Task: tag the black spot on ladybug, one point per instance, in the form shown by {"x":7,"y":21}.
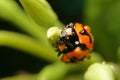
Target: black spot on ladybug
{"x":83,"y":47}
{"x":73,"y":60}
{"x":84,"y":32}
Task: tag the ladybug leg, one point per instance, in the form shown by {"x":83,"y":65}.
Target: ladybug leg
{"x":59,"y":53}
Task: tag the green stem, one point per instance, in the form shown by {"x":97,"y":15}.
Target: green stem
{"x":10,"y":11}
{"x":41,"y":12}
{"x":55,"y":71}
{"x":58,"y":71}
{"x":27,"y":44}
{"x":21,"y":77}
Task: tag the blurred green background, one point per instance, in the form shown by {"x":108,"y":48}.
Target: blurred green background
{"x":103,"y":16}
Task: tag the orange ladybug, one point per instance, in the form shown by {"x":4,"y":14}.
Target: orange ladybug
{"x":75,"y":43}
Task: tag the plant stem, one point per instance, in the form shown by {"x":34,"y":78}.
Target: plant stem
{"x":10,"y":11}
{"x":27,"y":44}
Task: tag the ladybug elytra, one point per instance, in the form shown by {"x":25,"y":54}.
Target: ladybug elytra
{"x":75,"y":43}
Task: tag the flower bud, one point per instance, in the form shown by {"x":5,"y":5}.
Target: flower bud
{"x":115,"y":69}
{"x":98,"y":71}
{"x":53,"y":35}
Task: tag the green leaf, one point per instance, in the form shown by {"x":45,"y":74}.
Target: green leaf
{"x":103,"y":17}
{"x":10,"y":11}
{"x":41,"y":12}
{"x":27,"y":44}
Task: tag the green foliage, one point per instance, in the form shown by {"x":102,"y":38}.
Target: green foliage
{"x":40,"y":11}
{"x":101,"y":15}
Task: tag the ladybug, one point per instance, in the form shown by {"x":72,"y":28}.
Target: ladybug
{"x":75,"y":43}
